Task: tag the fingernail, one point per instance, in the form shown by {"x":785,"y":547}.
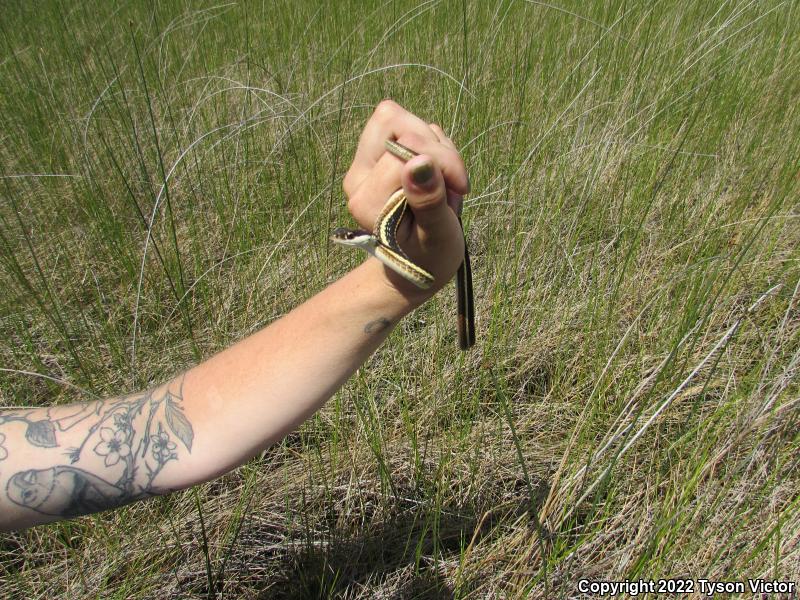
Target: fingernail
{"x":422,"y":174}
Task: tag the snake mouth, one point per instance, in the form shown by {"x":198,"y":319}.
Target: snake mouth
{"x":343,"y":234}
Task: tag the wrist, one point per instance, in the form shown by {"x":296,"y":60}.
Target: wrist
{"x":396,"y":295}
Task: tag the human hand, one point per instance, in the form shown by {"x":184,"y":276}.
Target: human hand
{"x":434,"y":183}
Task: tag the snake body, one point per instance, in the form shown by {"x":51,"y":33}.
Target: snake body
{"x":382,"y":244}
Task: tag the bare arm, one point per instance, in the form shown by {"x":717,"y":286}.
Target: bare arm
{"x":72,"y":460}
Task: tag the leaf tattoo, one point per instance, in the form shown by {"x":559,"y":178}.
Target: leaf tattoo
{"x":178,"y":423}
{"x":41,"y":433}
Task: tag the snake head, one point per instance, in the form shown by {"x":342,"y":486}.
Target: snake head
{"x":353,"y":237}
{"x":343,"y":233}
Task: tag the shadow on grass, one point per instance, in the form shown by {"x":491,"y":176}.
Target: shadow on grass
{"x":396,"y":557}
{"x":402,"y":557}
{"x":402,"y":546}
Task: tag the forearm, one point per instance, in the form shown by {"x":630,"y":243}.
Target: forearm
{"x":72,"y":460}
{"x":254,"y":393}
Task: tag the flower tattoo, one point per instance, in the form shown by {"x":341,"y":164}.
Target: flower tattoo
{"x":113,"y":446}
{"x":162,"y":447}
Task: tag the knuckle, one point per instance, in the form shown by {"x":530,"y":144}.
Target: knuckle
{"x":386,"y":109}
{"x":347,"y":183}
{"x":354,"y":208}
{"x":431,"y":196}
{"x":456,"y":161}
{"x":431,"y":199}
{"x":357,"y":201}
{"x":428,"y":201}
{"x":352,"y":203}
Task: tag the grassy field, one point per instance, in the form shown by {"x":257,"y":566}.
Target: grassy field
{"x":170,"y":173}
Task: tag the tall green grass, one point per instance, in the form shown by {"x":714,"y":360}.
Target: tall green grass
{"x":169,"y":174}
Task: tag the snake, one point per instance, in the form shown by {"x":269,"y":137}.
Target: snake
{"x":382,"y":244}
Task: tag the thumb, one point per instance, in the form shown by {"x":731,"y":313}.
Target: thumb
{"x":423,"y":184}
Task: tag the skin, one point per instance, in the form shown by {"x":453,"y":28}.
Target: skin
{"x":66,"y":461}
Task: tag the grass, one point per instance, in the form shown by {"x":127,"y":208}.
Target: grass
{"x":169,"y":174}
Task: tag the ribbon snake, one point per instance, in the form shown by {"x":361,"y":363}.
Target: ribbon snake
{"x":382,"y":244}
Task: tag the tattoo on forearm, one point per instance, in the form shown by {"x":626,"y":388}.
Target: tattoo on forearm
{"x":377,"y":325}
{"x":39,"y":432}
{"x":65,"y":491}
{"x":135,"y":436}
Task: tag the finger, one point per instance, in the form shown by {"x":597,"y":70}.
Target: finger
{"x":424,"y":185}
{"x":455,"y":201}
{"x":443,"y":139}
{"x":447,"y":142}
{"x":446,"y":158}
{"x":388,"y":121}
{"x":368,"y":199}
{"x":366,"y":203}
{"x":437,"y":130}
